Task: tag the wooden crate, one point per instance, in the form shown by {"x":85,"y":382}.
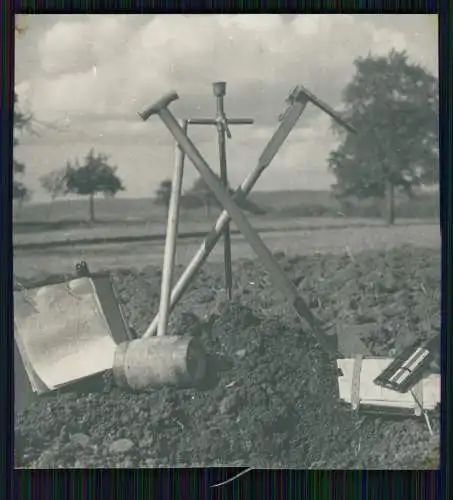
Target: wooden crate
{"x":356,"y":388}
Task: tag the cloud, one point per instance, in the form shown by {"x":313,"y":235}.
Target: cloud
{"x":75,"y":46}
{"x":136,"y":63}
{"x":92,"y":74}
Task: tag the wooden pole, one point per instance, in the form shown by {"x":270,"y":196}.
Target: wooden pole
{"x":170,"y":240}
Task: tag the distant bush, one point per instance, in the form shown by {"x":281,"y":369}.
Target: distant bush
{"x":370,"y":210}
{"x":191,"y":201}
{"x":420,"y":207}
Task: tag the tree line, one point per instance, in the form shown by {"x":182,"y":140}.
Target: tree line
{"x":199,"y":195}
{"x":391,"y":101}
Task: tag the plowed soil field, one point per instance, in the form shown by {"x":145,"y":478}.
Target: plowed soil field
{"x":270,"y":397}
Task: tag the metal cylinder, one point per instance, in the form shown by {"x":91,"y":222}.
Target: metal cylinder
{"x":159,"y":361}
{"x":219,"y":88}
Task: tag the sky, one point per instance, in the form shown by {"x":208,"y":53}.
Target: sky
{"x":85,"y":78}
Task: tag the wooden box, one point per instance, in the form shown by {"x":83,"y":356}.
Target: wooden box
{"x":356,"y":388}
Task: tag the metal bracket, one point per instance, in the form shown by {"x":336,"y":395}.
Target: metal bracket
{"x":82,"y":270}
{"x":409,"y":367}
{"x":300,"y":93}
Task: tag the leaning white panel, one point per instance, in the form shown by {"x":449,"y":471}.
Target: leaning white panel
{"x":62,"y":333}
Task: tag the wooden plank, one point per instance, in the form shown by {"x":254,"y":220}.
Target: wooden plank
{"x":355,"y":383}
{"x":113,"y":312}
{"x":418,"y":400}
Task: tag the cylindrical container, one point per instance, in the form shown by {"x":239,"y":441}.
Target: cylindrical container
{"x":154,"y":362}
{"x":219,"y":88}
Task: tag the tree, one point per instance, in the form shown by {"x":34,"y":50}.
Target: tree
{"x":205,"y":195}
{"x":55,"y":183}
{"x":21,"y":194}
{"x":163,"y":193}
{"x":393,"y":105}
{"x":93,"y":177}
{"x":21,"y":123}
{"x":201,"y":190}
{"x":20,"y":24}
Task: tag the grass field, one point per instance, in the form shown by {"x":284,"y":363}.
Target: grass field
{"x":124,"y":219}
{"x":116,"y":212}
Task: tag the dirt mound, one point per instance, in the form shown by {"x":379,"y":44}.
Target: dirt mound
{"x":271,"y":395}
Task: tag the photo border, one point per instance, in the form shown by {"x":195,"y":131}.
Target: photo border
{"x":198,"y":483}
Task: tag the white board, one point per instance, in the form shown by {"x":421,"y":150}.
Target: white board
{"x":371,"y":394}
{"x":62,"y":334}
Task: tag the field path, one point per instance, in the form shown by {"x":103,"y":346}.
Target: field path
{"x":37,"y":263}
{"x":156,"y":230}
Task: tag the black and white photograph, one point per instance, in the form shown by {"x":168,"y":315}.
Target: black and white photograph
{"x":226,"y":239}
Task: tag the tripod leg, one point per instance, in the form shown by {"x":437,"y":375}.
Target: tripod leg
{"x":226,"y":233}
{"x":270,"y":150}
{"x":170,"y":240}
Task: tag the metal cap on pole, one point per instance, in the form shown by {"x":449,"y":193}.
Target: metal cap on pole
{"x":219,"y":88}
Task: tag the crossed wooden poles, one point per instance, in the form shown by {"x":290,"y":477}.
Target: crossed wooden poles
{"x":297,"y":101}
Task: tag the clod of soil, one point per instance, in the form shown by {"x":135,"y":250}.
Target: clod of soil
{"x":271,"y":397}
